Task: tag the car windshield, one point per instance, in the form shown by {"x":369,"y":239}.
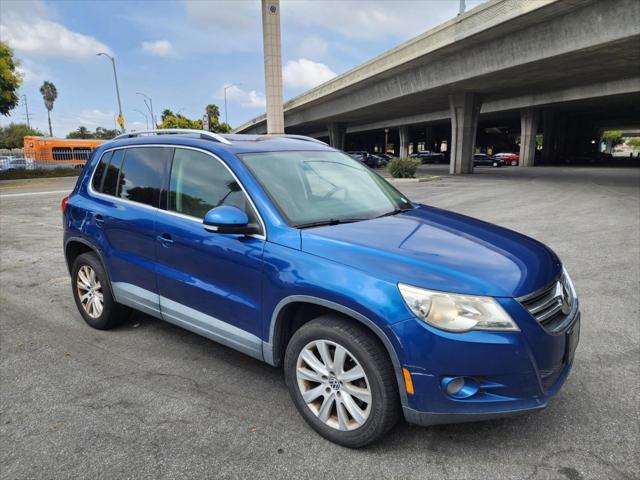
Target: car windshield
{"x":313,"y":188}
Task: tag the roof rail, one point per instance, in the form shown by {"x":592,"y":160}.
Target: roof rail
{"x":303,"y":137}
{"x":203,"y":133}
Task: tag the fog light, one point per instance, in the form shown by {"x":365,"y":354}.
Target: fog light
{"x":460,"y":387}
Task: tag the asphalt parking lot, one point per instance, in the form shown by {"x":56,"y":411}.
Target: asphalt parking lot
{"x":149,"y":400}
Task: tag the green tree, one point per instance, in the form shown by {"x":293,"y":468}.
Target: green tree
{"x":12,"y":136}
{"x":180,"y":121}
{"x":49,"y":94}
{"x":10,"y":79}
{"x":81,"y":132}
{"x":166,"y":113}
{"x":613,"y":136}
{"x":220,"y":128}
{"x":213,"y":112}
{"x":105,"y":133}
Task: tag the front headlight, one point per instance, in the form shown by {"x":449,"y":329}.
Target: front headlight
{"x":454,"y":312}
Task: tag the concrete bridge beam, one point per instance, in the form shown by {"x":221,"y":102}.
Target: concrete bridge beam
{"x":465,"y":110}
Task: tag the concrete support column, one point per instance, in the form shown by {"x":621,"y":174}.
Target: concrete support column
{"x":608,"y":146}
{"x":548,"y":137}
{"x":272,"y":65}
{"x":403,"y":131}
{"x":528,"y":130}
{"x":465,"y":110}
{"x":337,"y":135}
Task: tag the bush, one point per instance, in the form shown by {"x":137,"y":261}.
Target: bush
{"x":403,"y":167}
{"x":39,"y":173}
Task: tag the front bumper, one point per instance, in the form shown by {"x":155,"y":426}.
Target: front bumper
{"x":518,"y":372}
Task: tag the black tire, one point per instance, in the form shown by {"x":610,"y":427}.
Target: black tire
{"x":365,"y":347}
{"x":112,"y":313}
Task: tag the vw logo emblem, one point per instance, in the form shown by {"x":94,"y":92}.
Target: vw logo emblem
{"x":334,"y":383}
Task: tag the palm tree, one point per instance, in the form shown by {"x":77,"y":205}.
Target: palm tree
{"x":49,"y":94}
{"x":213,"y":112}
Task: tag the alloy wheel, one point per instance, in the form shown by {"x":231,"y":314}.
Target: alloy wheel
{"x":334,"y":385}
{"x":90,"y":291}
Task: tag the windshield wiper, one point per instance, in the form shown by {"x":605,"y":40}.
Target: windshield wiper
{"x":394,"y":212}
{"x":331,"y":221}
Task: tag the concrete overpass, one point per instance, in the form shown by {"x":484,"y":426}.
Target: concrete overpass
{"x":531,"y":64}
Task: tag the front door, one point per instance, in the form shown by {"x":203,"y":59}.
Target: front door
{"x":208,"y":282}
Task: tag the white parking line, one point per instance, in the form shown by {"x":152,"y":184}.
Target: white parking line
{"x":26,"y":194}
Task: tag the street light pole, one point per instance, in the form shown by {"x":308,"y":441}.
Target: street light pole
{"x":146,"y":118}
{"x":226,"y":119}
{"x":115,"y":77}
{"x":150,"y":107}
{"x":463,"y":7}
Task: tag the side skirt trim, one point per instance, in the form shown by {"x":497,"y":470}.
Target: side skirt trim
{"x":188,"y":318}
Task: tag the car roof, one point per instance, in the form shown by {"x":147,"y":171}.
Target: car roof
{"x":233,"y":143}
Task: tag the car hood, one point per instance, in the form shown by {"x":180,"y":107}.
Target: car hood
{"x":440,"y":250}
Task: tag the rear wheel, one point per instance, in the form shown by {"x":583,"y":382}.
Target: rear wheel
{"x":93,"y":295}
{"x":341,"y":381}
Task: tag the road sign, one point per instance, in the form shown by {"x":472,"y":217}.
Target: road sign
{"x":121,"y":121}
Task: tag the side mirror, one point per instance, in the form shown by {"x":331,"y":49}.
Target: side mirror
{"x":228,"y":219}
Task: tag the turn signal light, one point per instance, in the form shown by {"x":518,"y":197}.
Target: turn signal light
{"x":63,"y":204}
{"x":408,"y":383}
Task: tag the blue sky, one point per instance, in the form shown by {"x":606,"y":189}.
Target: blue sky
{"x":183,"y":53}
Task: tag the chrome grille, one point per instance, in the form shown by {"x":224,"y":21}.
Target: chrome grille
{"x":553,"y":305}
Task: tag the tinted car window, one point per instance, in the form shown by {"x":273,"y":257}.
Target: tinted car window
{"x":96,"y":183}
{"x":110,"y":182}
{"x":142,"y":173}
{"x":200,"y":182}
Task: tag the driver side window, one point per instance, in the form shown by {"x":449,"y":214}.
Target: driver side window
{"x":200,"y":182}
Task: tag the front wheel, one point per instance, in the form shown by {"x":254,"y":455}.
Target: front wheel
{"x":341,"y":381}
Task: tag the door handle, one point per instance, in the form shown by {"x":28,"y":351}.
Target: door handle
{"x":165,"y":239}
{"x":99,"y":220}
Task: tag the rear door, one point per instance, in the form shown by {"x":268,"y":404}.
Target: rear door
{"x":127,"y":185}
{"x":209,"y":283}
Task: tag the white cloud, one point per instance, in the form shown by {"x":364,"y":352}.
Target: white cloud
{"x":250,"y":99}
{"x":225,"y":25}
{"x":370,"y":19}
{"x":29,"y":32}
{"x":161,"y":48}
{"x":313,"y":47}
{"x":305,"y":73}
{"x":65,"y":121}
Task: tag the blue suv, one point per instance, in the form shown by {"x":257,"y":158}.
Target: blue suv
{"x":295,"y":254}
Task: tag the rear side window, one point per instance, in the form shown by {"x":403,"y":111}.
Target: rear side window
{"x":96,"y":183}
{"x":142,"y":173}
{"x":199,"y":182}
{"x":111,"y":175}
